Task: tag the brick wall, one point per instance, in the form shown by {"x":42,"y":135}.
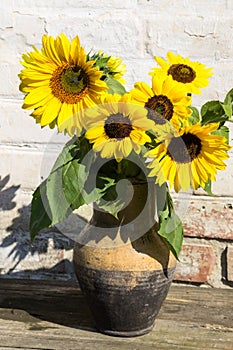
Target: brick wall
{"x":136,"y":31}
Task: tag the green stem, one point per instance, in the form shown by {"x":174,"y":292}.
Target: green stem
{"x":169,"y":200}
{"x":119,"y":168}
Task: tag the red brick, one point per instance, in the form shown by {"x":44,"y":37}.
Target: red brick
{"x":209,"y":219}
{"x":230,"y":264}
{"x":196,"y":263}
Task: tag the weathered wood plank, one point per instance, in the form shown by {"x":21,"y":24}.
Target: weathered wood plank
{"x":182,"y":303}
{"x":166,"y":335}
{"x":201,"y":305}
{"x":54,"y":315}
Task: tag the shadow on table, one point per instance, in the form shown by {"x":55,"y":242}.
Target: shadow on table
{"x":18,"y":247}
{"x":59,"y":302}
{"x":15,"y":243}
{"x":62,"y":271}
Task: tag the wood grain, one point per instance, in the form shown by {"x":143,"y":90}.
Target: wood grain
{"x":54,"y":315}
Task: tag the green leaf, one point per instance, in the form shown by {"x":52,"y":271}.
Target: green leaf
{"x":171,"y":229}
{"x":110,"y":203}
{"x":222,"y":131}
{"x":39,"y":218}
{"x":195,"y":117}
{"x":130,"y":169}
{"x":213,"y":112}
{"x":41,"y":214}
{"x":101,"y":62}
{"x":65,"y":187}
{"x":170,"y":225}
{"x":114,"y":197}
{"x":162,"y":198}
{"x":111,"y":207}
{"x":208,"y":189}
{"x":57,"y":192}
{"x":64,"y":190}
{"x":55,"y":195}
{"x":228,"y":105}
{"x":227,"y":110}
{"x":104,"y":183}
{"x":67,"y":154}
{"x":229,"y":98}
{"x":115,"y":87}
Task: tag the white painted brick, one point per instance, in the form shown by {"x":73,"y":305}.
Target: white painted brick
{"x":199,"y":38}
{"x":18,"y":127}
{"x":27,"y":6}
{"x":229,"y":5}
{"x":25,"y":166}
{"x":138,"y":70}
{"x":136,"y":30}
{"x":49,"y":248}
{"x":19,"y":257}
{"x":26,"y":31}
{"x":197,"y":7}
{"x":31,"y":27}
{"x":6,"y":18}
{"x":113,"y":34}
{"x":14,"y":203}
{"x":11,"y":48}
{"x":200,"y":7}
{"x":15,"y":211}
{"x":9,"y":75}
{"x":211,"y":33}
{"x":224,"y":179}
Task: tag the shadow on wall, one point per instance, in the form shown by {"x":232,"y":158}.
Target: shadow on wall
{"x":15,"y":242}
{"x":7,"y":195}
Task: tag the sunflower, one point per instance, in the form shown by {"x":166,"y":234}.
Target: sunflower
{"x":59,"y":83}
{"x":117,"y":127}
{"x":190,"y":158}
{"x":111,"y":66}
{"x":117,"y":68}
{"x":191,"y":75}
{"x":166,"y":101}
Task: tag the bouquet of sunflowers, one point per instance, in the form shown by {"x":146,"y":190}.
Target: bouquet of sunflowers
{"x":150,"y":132}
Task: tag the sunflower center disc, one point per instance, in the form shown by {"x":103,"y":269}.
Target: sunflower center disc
{"x":159,"y":108}
{"x":69,"y":83}
{"x":118,"y":126}
{"x":74,"y":80}
{"x":182,"y":73}
{"x":184,"y":149}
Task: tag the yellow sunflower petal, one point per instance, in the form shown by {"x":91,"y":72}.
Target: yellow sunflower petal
{"x":38,"y":94}
{"x":51,"y":112}
{"x":201,"y":154}
{"x":95,"y":132}
{"x":107,"y":150}
{"x":161,"y":61}
{"x":139,"y":136}
{"x":192,"y":75}
{"x":60,"y":71}
{"x":141,"y":92}
{"x":65,"y":46}
{"x":63,"y":117}
{"x":126,"y":146}
{"x":41,"y":103}
{"x":184,"y":176}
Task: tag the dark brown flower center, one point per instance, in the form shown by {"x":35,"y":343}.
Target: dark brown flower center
{"x":159,"y":109}
{"x":184,"y":149}
{"x":182,"y":73}
{"x":118,"y":126}
{"x":69,"y":83}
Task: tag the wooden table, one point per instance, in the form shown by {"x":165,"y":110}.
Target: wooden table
{"x":53,"y":315}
